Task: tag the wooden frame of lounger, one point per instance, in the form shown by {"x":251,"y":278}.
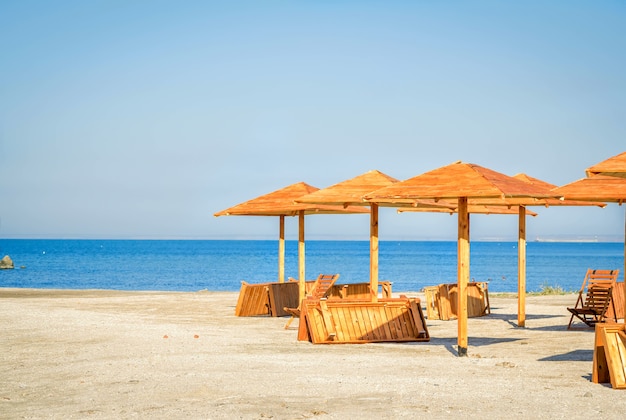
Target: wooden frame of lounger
{"x":328,"y":321}
{"x":597,"y":303}
{"x":320,"y":289}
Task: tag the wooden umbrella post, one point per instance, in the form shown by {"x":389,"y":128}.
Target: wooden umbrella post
{"x":374,"y":252}
{"x":301,"y":273}
{"x":463,"y":256}
{"x":624,"y":272}
{"x":281,"y":250}
{"x":521,"y":269}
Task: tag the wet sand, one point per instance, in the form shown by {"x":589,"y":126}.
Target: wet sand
{"x":109,"y":354}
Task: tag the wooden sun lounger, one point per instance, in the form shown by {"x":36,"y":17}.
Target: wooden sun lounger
{"x":596,"y":305}
{"x":328,"y":321}
{"x":320,"y":289}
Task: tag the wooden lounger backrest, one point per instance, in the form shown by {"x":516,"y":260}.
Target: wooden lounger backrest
{"x":322,"y":285}
{"x":604,"y":278}
{"x":598,"y":299}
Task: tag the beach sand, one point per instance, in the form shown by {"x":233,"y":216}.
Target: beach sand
{"x":109,"y":354}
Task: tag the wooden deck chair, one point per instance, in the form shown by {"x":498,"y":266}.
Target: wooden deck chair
{"x":594,"y":307}
{"x":320,"y":289}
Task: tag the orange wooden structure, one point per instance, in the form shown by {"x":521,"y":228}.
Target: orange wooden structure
{"x":590,"y":305}
{"x":266,"y":298}
{"x":458,"y":183}
{"x":328,"y":321}
{"x":257,"y":299}
{"x":442,"y":300}
{"x":609,"y":355}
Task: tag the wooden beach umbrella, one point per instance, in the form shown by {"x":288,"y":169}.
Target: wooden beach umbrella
{"x":282,"y":203}
{"x":350,"y":192}
{"x":458,"y":182}
{"x":600,"y":188}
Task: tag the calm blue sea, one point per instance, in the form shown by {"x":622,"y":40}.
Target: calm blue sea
{"x":180,"y":265}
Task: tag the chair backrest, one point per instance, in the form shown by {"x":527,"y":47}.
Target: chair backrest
{"x":322,"y":285}
{"x":598,"y":299}
{"x":604,"y":278}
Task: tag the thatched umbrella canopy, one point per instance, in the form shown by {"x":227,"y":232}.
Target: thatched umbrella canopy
{"x":351,"y":192}
{"x":613,"y":166}
{"x":610,"y":189}
{"x":600,"y":187}
{"x":282,"y":203}
{"x":459,"y":182}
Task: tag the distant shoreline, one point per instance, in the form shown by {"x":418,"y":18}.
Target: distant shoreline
{"x":601,"y":239}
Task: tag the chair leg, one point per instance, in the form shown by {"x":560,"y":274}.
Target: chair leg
{"x":289,"y":322}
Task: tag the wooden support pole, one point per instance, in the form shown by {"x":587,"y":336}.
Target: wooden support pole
{"x":624,"y":272}
{"x":281,"y":250}
{"x":301,"y":273}
{"x":374,"y":252}
{"x":521,"y":269}
{"x":463,"y":274}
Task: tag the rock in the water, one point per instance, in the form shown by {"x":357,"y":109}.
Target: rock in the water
{"x":6,"y":262}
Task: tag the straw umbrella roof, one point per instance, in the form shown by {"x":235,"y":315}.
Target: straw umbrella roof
{"x":456,"y":180}
{"x":547,"y":202}
{"x":613,"y":166}
{"x":596,"y":187}
{"x":461,"y":182}
{"x":282,"y":203}
{"x":351,"y":191}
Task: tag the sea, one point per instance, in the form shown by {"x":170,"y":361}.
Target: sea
{"x":221,"y":265}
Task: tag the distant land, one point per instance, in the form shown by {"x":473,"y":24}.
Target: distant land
{"x":322,"y":237}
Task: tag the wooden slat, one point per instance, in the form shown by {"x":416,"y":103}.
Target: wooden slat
{"x":282,"y":295}
{"x":358,"y":291}
{"x":600,"y":372}
{"x":617,"y":301}
{"x":342,"y":326}
{"x":329,"y":322}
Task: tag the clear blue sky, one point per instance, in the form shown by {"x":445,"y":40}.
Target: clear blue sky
{"x":143,"y":118}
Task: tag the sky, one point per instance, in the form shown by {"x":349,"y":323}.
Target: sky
{"x":141,"y":119}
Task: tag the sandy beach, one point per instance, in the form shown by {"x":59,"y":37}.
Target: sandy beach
{"x":109,"y":354}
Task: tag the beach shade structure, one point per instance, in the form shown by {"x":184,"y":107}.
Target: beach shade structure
{"x":282,"y":203}
{"x":350,"y":193}
{"x":521,"y":204}
{"x":458,"y":182}
{"x":608,"y":188}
